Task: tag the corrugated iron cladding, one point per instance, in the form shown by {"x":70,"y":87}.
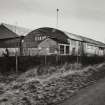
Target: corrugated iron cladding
{"x":10,"y":43}
{"x":50,"y":32}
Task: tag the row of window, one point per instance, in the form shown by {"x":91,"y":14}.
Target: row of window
{"x":64,"y":49}
{"x":91,"y":47}
{"x":39,"y":38}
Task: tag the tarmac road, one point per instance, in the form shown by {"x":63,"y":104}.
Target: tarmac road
{"x":91,"y":95}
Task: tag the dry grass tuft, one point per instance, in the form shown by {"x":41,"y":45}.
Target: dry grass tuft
{"x":49,"y":85}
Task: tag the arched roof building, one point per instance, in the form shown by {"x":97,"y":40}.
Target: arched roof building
{"x":38,"y":35}
{"x":65,"y":41}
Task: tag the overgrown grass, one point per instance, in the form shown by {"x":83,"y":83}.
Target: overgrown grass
{"x":49,"y":85}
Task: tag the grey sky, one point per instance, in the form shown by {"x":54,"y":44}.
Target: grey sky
{"x":84,"y":17}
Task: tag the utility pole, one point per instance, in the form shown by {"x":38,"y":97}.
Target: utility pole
{"x":16,"y":63}
{"x":57,"y":22}
{"x":16,"y":54}
{"x":57,"y":10}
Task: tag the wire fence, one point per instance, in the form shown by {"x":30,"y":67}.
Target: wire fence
{"x":24,"y":63}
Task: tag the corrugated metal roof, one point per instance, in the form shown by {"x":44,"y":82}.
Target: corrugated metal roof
{"x":18,"y":30}
{"x":64,"y":36}
{"x":52,"y":33}
{"x":6,"y":33}
{"x":73,"y":36}
{"x":85,"y":39}
{"x":92,"y":41}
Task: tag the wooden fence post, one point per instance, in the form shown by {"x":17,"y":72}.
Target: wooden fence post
{"x":16,"y":63}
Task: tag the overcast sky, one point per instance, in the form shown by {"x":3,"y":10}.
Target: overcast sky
{"x":83,"y":17}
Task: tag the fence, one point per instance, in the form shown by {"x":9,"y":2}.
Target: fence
{"x":27,"y":62}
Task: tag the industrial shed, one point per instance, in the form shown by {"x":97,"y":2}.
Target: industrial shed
{"x":89,"y":47}
{"x":10,"y":39}
{"x":92,"y":47}
{"x":65,"y":45}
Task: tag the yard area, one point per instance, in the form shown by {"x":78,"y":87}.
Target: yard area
{"x":48,"y":85}
{"x":92,"y":95}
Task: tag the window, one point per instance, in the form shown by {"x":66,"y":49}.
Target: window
{"x":67,"y":49}
{"x":35,"y":38}
{"x":38,"y":38}
{"x":61,"y":49}
{"x":73,"y":51}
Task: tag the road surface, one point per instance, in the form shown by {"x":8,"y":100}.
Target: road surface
{"x":92,"y":95}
